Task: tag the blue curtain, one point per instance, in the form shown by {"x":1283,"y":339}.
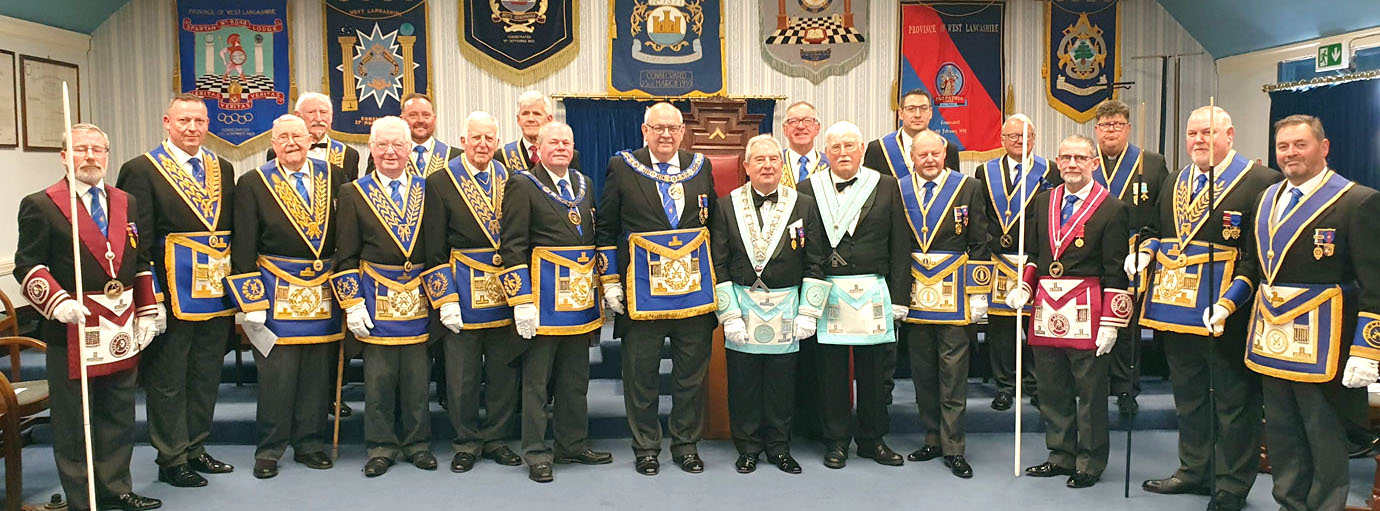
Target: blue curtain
{"x":603,"y":127}
{"x":1347,"y":111}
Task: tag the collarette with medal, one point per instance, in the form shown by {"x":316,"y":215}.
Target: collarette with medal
{"x":761,"y":242}
{"x":572,"y":205}
{"x":1005,"y":199}
{"x":1059,"y":234}
{"x":840,"y":210}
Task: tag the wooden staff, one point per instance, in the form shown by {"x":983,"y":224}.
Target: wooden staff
{"x":339,"y":377}
{"x":81,"y":302}
{"x":1020,"y":270}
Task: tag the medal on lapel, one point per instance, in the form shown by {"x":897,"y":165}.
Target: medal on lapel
{"x":574,"y":215}
{"x":1056,"y":269}
{"x":1323,"y":245}
{"x":1231,"y":225}
{"x":960,"y":218}
{"x":677,"y":191}
{"x":1078,"y":238}
{"x":704,"y":206}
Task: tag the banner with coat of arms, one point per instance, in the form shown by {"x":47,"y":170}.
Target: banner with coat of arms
{"x":520,"y":41}
{"x":1082,"y":38}
{"x":376,"y":53}
{"x":953,"y":50}
{"x":814,"y":38}
{"x":666,"y":48}
{"x":236,"y":59}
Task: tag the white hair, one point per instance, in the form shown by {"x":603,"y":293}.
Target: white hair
{"x":84,"y":127}
{"x":1020,"y":118}
{"x":478,"y":115}
{"x":306,"y":96}
{"x":288,"y":118}
{"x":547,"y":128}
{"x":648,"y":114}
{"x":840,"y":129}
{"x":386,"y":122}
{"x":758,"y":141}
{"x":1221,"y":117}
{"x":533,"y":96}
{"x":943,"y":141}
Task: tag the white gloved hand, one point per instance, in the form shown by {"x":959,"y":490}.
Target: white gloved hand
{"x":1106,"y":338}
{"x":1360,"y":372}
{"x":1215,"y":319}
{"x":160,"y":320}
{"x":1136,"y":262}
{"x":525,"y":319}
{"x":450,"y":316}
{"x":735,"y":331}
{"x":70,"y":312}
{"x":1018,"y":297}
{"x":978,"y":305}
{"x":613,"y":297}
{"x":804,"y":327}
{"x":256,"y":317}
{"x":357,"y":320}
{"x":899,"y":312}
{"x":145,"y":329}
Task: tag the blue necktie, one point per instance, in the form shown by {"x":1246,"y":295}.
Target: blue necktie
{"x":97,"y":212}
{"x":804,"y":168}
{"x":198,"y":172}
{"x":667,"y":203}
{"x":929,"y":192}
{"x":565,"y":194}
{"x":1294,"y":196}
{"x":483,"y":178}
{"x":1198,"y":184}
{"x":397,"y":196}
{"x":302,"y":187}
{"x":1016,"y":177}
{"x":1064,"y":214}
{"x":421,"y":160}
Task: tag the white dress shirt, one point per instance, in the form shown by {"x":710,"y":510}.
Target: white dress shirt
{"x":673,"y":169}
{"x":385,"y":183}
{"x":429,"y":146}
{"x":835,"y":179}
{"x":793,"y":162}
{"x":1308,"y":187}
{"x":85,"y":199}
{"x":183,"y":159}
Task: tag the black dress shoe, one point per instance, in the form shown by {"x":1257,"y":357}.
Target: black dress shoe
{"x":1172,"y":485}
{"x":540,"y":472}
{"x":1081,"y":480}
{"x":880,"y":453}
{"x":1035,"y":401}
{"x":208,"y":465}
{"x":1048,"y":469}
{"x":504,"y":456}
{"x":1365,"y":450}
{"x":377,"y":466}
{"x":786,"y":463}
{"x":128,"y":502}
{"x":746,"y":463}
{"x":314,"y":460}
{"x":1224,"y":501}
{"x":264,"y":469}
{"x":345,"y":410}
{"x":925,"y":453}
{"x":690,"y":463}
{"x":836,"y":457}
{"x":424,"y":460}
{"x":1126,"y":404}
{"x":647,"y":465}
{"x":959,"y":465}
{"x":589,"y":457}
{"x":181,"y":476}
{"x":1002,"y":402}
{"x":462,"y":462}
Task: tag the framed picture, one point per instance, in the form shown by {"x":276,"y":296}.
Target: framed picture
{"x":40,"y":86}
{"x":9,"y":102}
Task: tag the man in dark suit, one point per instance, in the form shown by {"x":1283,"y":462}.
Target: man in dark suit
{"x":657,"y":201}
{"x":545,"y":234}
{"x":426,"y":155}
{"x":870,"y":276}
{"x":890,"y":153}
{"x":315,"y":109}
{"x":187,"y":195}
{"x":111,"y":284}
{"x":534,"y":111}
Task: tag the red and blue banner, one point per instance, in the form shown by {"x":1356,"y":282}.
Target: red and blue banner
{"x":953,"y":50}
{"x":666,"y":48}
{"x":376,"y":54}
{"x":236,"y":59}
{"x":1081,"y":64}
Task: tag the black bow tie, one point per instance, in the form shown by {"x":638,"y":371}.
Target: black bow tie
{"x":320,"y":145}
{"x":758,"y":200}
{"x":845,"y":184}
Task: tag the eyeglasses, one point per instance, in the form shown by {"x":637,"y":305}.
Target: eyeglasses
{"x":397,"y":147}
{"x":1015,"y":136}
{"x":843,"y":147}
{"x":910,"y":109}
{"x":94,"y":150}
{"x":665,"y":128}
{"x":1112,"y":125}
{"x":1076,"y":158}
{"x":285,"y":137}
{"x":802,"y":121}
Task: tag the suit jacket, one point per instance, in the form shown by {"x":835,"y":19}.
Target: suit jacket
{"x":1356,"y":258}
{"x":1103,"y":251}
{"x":263,"y":228}
{"x":994,"y":227}
{"x":163,"y":210}
{"x":451,"y":224}
{"x":452,"y":153}
{"x":509,"y":163}
{"x":880,"y":245}
{"x":974,"y":238}
{"x":360,"y":234}
{"x":1144,"y":209}
{"x":533,"y":219}
{"x":345,"y":173}
{"x":789,"y":263}
{"x":876,"y":159}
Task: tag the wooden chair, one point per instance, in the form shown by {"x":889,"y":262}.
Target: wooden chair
{"x":20,"y":402}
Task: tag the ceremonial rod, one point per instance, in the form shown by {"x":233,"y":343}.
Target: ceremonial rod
{"x":1020,"y":271}
{"x":339,"y":381}
{"x":1212,"y":293}
{"x":77,"y":291}
{"x":1134,"y":324}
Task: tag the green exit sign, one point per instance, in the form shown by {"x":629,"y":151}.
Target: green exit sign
{"x":1332,"y":57}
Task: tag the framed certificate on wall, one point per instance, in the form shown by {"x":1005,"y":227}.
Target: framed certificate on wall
{"x":9,"y":102}
{"x":40,"y":86}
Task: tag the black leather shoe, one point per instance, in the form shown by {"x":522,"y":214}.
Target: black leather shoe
{"x":1048,"y":469}
{"x":1035,"y":401}
{"x":128,"y":502}
{"x":345,"y":410}
{"x":925,"y":453}
{"x":504,"y":456}
{"x":181,"y":476}
{"x":264,"y":469}
{"x":880,"y":453}
{"x":1081,"y":480}
{"x":690,"y":463}
{"x":647,"y":465}
{"x":541,"y":473}
{"x":786,"y":463}
{"x":1365,"y":450}
{"x":314,"y":460}
{"x":589,"y":457}
{"x":377,"y":466}
{"x":1002,"y":402}
{"x":1224,"y":501}
{"x":208,"y":465}
{"x":746,"y":463}
{"x":1126,"y":404}
{"x":959,"y":466}
{"x":424,"y":460}
{"x":1172,"y":485}
{"x":836,"y":457}
{"x":462,"y":462}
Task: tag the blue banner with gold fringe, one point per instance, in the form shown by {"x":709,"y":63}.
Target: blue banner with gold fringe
{"x":1082,"y":38}
{"x":237,"y":60}
{"x":520,"y":40}
{"x":666,"y":48}
{"x":376,"y":53}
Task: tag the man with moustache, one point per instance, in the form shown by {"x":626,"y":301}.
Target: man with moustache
{"x":187,"y":195}
{"x":315,"y":109}
{"x":426,"y":155}
{"x":380,"y":256}
{"x":463,"y":210}
{"x":864,"y":221}
{"x":1179,"y":297}
{"x":281,"y":249}
{"x":1075,"y":248}
{"x":534,"y":111}
{"x":115,"y":277}
{"x":658,"y":245}
{"x":551,"y":266}
{"x":801,"y":159}
{"x":891,"y":151}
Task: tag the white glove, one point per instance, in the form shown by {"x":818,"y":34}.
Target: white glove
{"x":613,"y":297}
{"x":450,"y":316}
{"x":256,"y":317}
{"x":735,"y":331}
{"x":525,"y":319}
{"x":145,"y":329}
{"x":160,"y":320}
{"x":1360,"y":372}
{"x":71,"y":312}
{"x":804,"y":327}
{"x":1106,"y":338}
{"x":978,"y":305}
{"x":357,"y":320}
{"x":899,"y":312}
{"x":1017,"y":298}
{"x":1215,"y":319}
{"x":1135,"y":263}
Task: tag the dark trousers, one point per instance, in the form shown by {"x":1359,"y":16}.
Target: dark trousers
{"x":690,"y":348}
{"x":1001,"y":352}
{"x":395,"y":385}
{"x":761,"y":401}
{"x":1308,"y":448}
{"x":1235,"y":447}
{"x":939,"y":367}
{"x":181,"y":374}
{"x":468,"y":355}
{"x":559,"y":362}
{"x":293,"y":395}
{"x":1125,"y":372}
{"x":112,"y":429}
{"x":806,"y":416}
{"x":1073,"y":402}
{"x":873,"y":421}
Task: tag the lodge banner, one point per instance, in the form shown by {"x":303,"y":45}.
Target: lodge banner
{"x":376,"y":53}
{"x":1082,"y":38}
{"x":235,"y":58}
{"x":666,"y":48}
{"x":813,"y":38}
{"x":520,"y":41}
{"x":953,"y":50}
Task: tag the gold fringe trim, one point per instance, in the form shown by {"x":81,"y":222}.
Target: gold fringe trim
{"x":531,"y":75}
